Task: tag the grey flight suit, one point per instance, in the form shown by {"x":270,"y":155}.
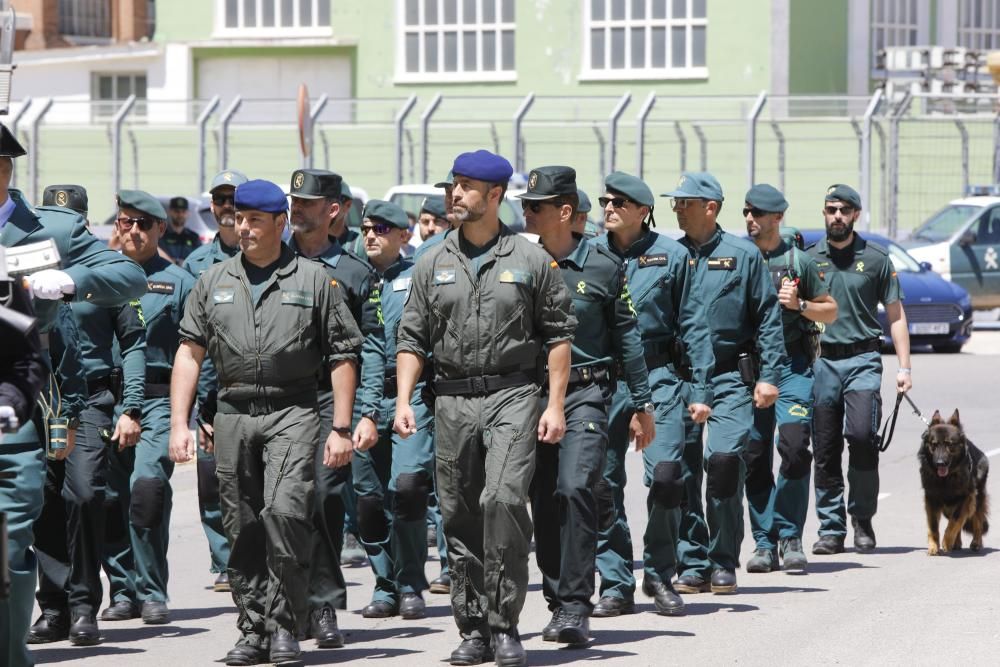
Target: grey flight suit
{"x":486,"y":321}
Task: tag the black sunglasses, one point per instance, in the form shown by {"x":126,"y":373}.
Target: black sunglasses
{"x":616,"y":202}
{"x":844,"y":210}
{"x":757,"y":212}
{"x":536,"y":206}
{"x":222,"y":200}
{"x":380,"y":229}
{"x":126,"y":223}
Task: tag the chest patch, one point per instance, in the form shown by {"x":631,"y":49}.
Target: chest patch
{"x":296,"y":298}
{"x":158,"y":287}
{"x":652,"y":260}
{"x":514,"y":276}
{"x":400,"y":284}
{"x":223,"y":295}
{"x":721,"y":263}
{"x":444,"y":277}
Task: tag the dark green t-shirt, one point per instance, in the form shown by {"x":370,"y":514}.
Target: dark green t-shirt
{"x":476,"y":253}
{"x":258,"y":276}
{"x":785,"y":263}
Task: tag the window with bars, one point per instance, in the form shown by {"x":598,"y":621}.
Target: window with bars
{"x":448,"y":40}
{"x":108,"y":89}
{"x":89,"y":19}
{"x":645,"y":39}
{"x":894,"y":23}
{"x":241,"y":17}
{"x":979,"y":24}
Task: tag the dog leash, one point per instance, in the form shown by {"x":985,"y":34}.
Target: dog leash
{"x":882,"y":441}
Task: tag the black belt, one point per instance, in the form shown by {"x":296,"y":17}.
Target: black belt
{"x":264,"y":405}
{"x":98,"y":385}
{"x":157,"y":390}
{"x":727,"y":366}
{"x":658,"y":353}
{"x":843,"y":351}
{"x":481,"y":384}
{"x":390,"y":388}
{"x":581,"y":375}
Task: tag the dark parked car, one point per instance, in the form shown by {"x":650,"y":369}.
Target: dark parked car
{"x":939,"y":313}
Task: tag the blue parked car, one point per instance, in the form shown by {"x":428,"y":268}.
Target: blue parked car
{"x":939,"y":313}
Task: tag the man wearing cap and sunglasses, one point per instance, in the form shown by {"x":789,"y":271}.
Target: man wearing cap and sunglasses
{"x":674,"y":335}
{"x":741,"y":308}
{"x":563,"y":500}
{"x":487,"y":303}
{"x":179,"y":241}
{"x":778,"y":510}
{"x":846,"y":391}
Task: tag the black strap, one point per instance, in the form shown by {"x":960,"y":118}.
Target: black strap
{"x":727,"y":366}
{"x":838,"y":351}
{"x":882,"y":440}
{"x":481,"y":384}
{"x":589,"y":374}
{"x":157,"y":390}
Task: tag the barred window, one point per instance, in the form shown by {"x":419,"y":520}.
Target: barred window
{"x":894,"y":23}
{"x":979,"y":24}
{"x":85,"y":18}
{"x":272,"y":15}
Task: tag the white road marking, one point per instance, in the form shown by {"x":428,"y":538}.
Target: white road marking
{"x":993,"y":452}
{"x":882,"y":496}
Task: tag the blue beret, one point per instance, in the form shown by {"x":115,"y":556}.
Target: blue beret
{"x":483,"y":165}
{"x":142,"y":202}
{"x":631,"y":186}
{"x":844,"y":193}
{"x":766,"y":198}
{"x":261,"y":195}
{"x":697,"y":185}
{"x":584,"y":206}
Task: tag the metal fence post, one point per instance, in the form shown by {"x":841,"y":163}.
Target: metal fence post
{"x":116,"y":142}
{"x":892,"y":223}
{"x":640,"y":133}
{"x":317,"y":109}
{"x":519,"y":115}
{"x":616,"y":113}
{"x":883,"y":170}
{"x":202,"y":123}
{"x":964,"y":133}
{"x":776,"y":128}
{"x":866,"y":157}
{"x":702,"y":146}
{"x":34,"y":152}
{"x":682,"y":140}
{"x":14,"y":120}
{"x":425,"y":131}
{"x":755,"y":110}
{"x":399,"y":121}
{"x":227,"y":116}
{"x":135,"y":158}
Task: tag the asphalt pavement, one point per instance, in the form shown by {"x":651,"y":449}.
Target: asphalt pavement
{"x":895,"y":606}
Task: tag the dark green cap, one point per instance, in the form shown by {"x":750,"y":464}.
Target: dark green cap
{"x":434,"y":205}
{"x":697,"y":185}
{"x":844,"y":193}
{"x":387,"y":212}
{"x":766,"y":198}
{"x":68,"y":196}
{"x":550,"y":182}
{"x":584,"y":205}
{"x":315,"y":184}
{"x":632,"y":187}
{"x":142,"y":202}
{"x":446,"y":183}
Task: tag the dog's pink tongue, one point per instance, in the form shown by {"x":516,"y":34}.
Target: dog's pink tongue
{"x":942,"y":471}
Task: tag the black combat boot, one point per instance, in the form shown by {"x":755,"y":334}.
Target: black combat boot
{"x":665,"y":598}
{"x":864,"y":535}
{"x":827,"y":545}
{"x":507,"y":649}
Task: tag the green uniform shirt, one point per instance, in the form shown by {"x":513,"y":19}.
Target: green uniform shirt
{"x":110,"y":337}
{"x":272,"y":348}
{"x":163,"y":308}
{"x":607,"y":328}
{"x":491,"y":321}
{"x":786,"y":262}
{"x":859,"y":277}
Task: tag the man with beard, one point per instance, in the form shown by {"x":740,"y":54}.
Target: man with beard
{"x":486,"y":303}
{"x":433,"y":218}
{"x":316,"y":200}
{"x":223,"y":246}
{"x":178,"y":241}
{"x":848,"y":375}
{"x":778,"y":511}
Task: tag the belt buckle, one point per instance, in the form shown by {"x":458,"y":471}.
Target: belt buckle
{"x":478,"y":384}
{"x":585,"y":374}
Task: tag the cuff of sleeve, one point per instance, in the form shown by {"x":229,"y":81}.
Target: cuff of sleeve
{"x":770,"y":378}
{"x":411,"y":347}
{"x":81,"y":279}
{"x":701,"y":395}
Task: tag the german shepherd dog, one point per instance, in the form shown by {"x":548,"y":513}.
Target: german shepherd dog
{"x":953,"y":473}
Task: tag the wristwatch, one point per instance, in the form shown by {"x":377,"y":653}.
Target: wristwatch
{"x":648,"y":408}
{"x":133,"y":413}
{"x":342,"y":430}
{"x":802,"y":305}
{"x":373,"y":415}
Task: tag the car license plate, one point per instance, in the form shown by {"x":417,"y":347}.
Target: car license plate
{"x":928,"y":328}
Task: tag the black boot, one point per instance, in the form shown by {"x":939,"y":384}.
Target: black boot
{"x":828,"y":545}
{"x":793,"y":557}
{"x":325,"y":630}
{"x":221,"y":584}
{"x":473,"y":651}
{"x":575,"y":629}
{"x":83,"y":631}
{"x":155,"y":612}
{"x":51,"y":626}
{"x":610,"y":606}
{"x":691,"y":584}
{"x":665,"y":598}
{"x":723,"y":581}
{"x":242,"y":655}
{"x":412,"y":606}
{"x":123,"y":610}
{"x":380,"y":609}
{"x":441,"y":585}
{"x":507,"y":649}
{"x":550,"y":632}
{"x":284,"y":647}
{"x":864,"y":535}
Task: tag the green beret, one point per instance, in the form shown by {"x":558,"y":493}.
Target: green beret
{"x":697,"y":185}
{"x":434,"y":204}
{"x":446,"y":183}
{"x":766,"y":198}
{"x":142,"y":202}
{"x":630,"y":186}
{"x":584,"y":206}
{"x":844,"y":193}
{"x":387,"y":212}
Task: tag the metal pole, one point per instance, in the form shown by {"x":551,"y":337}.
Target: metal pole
{"x":682,"y":140}
{"x":202,"y":123}
{"x":996,"y":149}
{"x":964,"y":132}
{"x":703,"y":146}
{"x":883,"y":172}
{"x":866,"y":157}
{"x":33,"y":153}
{"x":758,"y":106}
{"x":227,"y":116}
{"x":14,"y":120}
{"x":116,"y":142}
{"x":640,"y":133}
{"x":776,"y":128}
{"x":519,"y":115}
{"x":326,"y":149}
{"x":314,"y":113}
{"x":892,"y":222}
{"x":616,"y":113}
{"x":425,"y":130}
{"x":135,"y":158}
{"x":600,"y":147}
{"x":399,"y":120}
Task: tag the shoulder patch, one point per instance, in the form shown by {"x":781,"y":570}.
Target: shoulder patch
{"x":721,"y":263}
{"x":553,"y":265}
{"x":160,"y":287}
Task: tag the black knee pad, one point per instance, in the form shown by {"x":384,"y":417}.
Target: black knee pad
{"x":605,"y":497}
{"x":412,"y":491}
{"x":759,"y":476}
{"x":864,"y":409}
{"x":208,"y":482}
{"x":667,"y":489}
{"x":372,"y":525}
{"x":146,"y":510}
{"x":723,"y":475}
{"x":828,"y":445}
{"x":793,"y":445}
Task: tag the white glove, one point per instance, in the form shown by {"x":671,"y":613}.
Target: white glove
{"x":7,"y":414}
{"x":51,"y":284}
